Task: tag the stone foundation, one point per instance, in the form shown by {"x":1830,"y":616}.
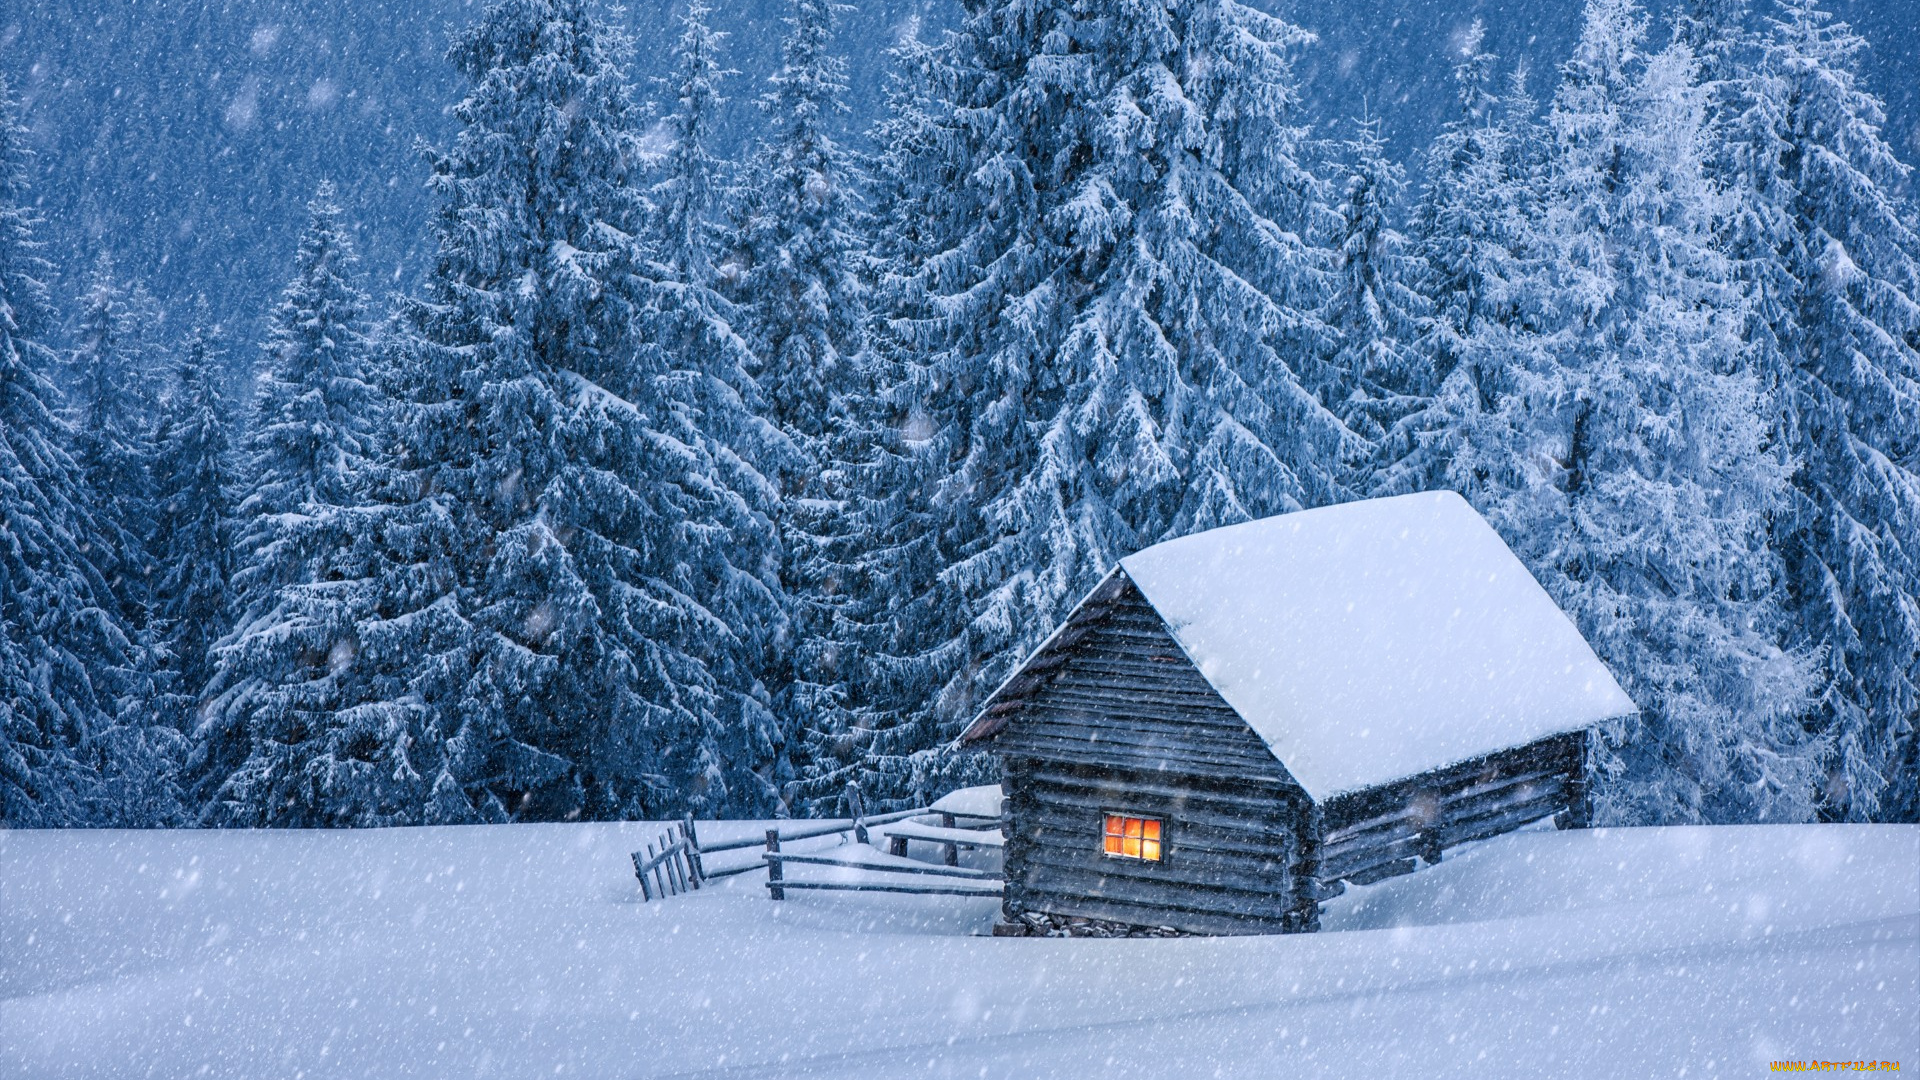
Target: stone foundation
{"x":1043,"y":924}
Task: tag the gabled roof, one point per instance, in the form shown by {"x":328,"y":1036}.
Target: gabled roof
{"x":1373,"y":640}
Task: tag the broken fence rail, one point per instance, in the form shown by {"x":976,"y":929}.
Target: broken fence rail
{"x":675,"y":868}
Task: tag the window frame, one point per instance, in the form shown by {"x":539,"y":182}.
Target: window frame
{"x":1124,"y":816}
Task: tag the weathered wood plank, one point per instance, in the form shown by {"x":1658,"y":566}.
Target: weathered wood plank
{"x":1551,"y":754}
{"x":1254,"y":828}
{"x":1117,"y":756}
{"x":864,"y":886}
{"x":1147,"y":745}
{"x":1171,"y":895}
{"x":1196,"y":908}
{"x":1096,"y":701}
{"x":1078,"y":722}
{"x":1218,"y":738}
{"x":1056,"y":824}
{"x":1177,"y":869}
{"x":1264,"y":801}
{"x":1440,"y":807}
{"x":884,"y":868}
{"x":1383,"y":871}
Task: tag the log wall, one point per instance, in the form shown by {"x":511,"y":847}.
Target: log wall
{"x":1381,"y":831}
{"x":1114,"y":719}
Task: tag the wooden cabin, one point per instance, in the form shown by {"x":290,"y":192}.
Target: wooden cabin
{"x":1233,"y":724}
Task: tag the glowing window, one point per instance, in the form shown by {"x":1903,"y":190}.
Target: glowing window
{"x":1133,"y":838}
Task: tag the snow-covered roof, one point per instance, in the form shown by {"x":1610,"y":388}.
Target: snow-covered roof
{"x":1376,"y":640}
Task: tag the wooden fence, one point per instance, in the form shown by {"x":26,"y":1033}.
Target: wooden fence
{"x":676,"y":863}
{"x":679,"y":863}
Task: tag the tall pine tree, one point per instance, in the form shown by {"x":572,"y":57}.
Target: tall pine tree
{"x":1826,"y":241}
{"x":1620,"y":444}
{"x":62,"y":651}
{"x":297,"y":735}
{"x":1377,"y":372}
{"x":804,"y":309}
{"x":195,"y":483}
{"x":567,"y":509}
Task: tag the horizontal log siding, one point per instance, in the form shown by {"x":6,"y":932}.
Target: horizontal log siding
{"x":1118,"y":692}
{"x":1375,"y":833}
{"x":1230,"y":862}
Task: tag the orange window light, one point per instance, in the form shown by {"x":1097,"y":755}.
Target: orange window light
{"x":1132,"y":837}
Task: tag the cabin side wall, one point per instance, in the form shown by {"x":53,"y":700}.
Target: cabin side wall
{"x":1382,"y":831}
{"x":1120,"y":722}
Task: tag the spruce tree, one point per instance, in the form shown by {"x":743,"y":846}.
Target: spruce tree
{"x":112,"y":420}
{"x":684,"y":198}
{"x":296,"y":735}
{"x":1131,"y":261}
{"x":195,"y":483}
{"x":695,"y":340}
{"x":557,"y":557}
{"x":881,"y":573}
{"x":1377,"y":372}
{"x":1483,"y":264}
{"x":62,"y":651}
{"x":1826,"y":242}
{"x":1623,"y":451}
{"x":111,"y":369}
{"x":803,"y":307}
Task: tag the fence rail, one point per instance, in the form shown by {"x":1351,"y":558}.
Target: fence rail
{"x":676,"y":863}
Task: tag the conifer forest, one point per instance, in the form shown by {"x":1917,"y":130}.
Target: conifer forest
{"x":729,"y":438}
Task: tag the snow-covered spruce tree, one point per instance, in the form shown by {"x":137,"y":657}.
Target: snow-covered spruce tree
{"x":691,"y":338}
{"x":62,"y":651}
{"x":803,"y":299}
{"x":1377,"y":373}
{"x":1826,"y":241}
{"x":293,"y":737}
{"x":112,"y":423}
{"x":1485,"y":268}
{"x":684,"y":198}
{"x":564,"y":508}
{"x":890,"y":636}
{"x":1640,"y":479}
{"x":1129,"y":268}
{"x":141,"y":753}
{"x":195,"y":482}
{"x":803,"y":306}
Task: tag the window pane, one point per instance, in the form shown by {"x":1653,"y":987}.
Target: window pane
{"x":1131,"y":847}
{"x":1150,"y":849}
{"x":1133,"y":826}
{"x":1151,"y":829}
{"x":1113,"y":845}
{"x":1114,"y":827}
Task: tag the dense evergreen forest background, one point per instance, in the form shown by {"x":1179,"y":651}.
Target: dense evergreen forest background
{"x":620,"y":414}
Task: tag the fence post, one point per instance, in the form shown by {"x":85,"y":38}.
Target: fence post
{"x":693,"y":851}
{"x":646,"y":892}
{"x":857,"y":809}
{"x":951,"y":854}
{"x":774,"y":876}
{"x":670,"y":849}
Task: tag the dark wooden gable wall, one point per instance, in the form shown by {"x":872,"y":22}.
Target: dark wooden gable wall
{"x":1113,"y":718}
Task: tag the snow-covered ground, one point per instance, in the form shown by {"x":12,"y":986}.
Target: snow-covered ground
{"x":524,"y":951}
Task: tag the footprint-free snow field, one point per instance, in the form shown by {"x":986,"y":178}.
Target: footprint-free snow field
{"x":524,"y":951}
